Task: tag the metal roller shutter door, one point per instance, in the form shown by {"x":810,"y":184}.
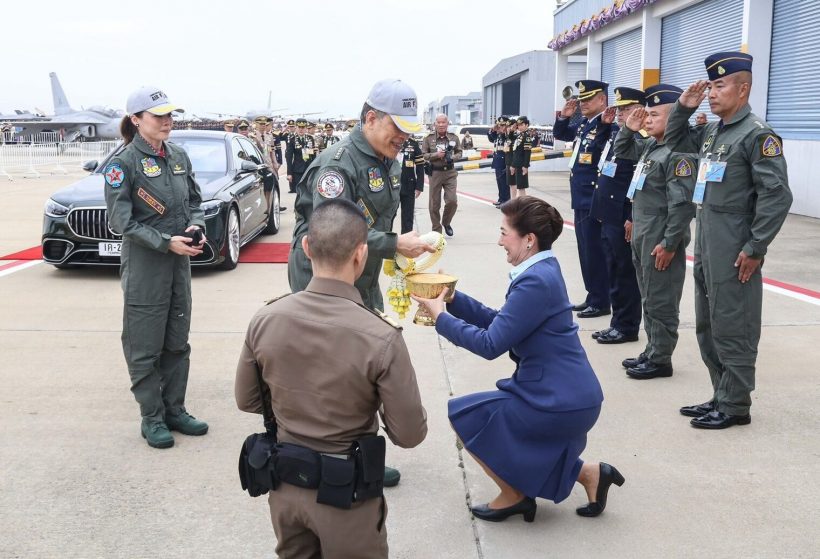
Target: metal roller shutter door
{"x":575,"y":71}
{"x":621,"y":61}
{"x":690,"y":35}
{"x":794,"y":110}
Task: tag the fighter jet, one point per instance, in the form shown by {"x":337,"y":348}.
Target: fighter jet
{"x":97,"y":123}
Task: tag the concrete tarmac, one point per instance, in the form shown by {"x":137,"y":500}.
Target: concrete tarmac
{"x":78,"y":481}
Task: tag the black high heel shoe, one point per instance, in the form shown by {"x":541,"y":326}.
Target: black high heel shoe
{"x":525,"y":507}
{"x":609,"y":475}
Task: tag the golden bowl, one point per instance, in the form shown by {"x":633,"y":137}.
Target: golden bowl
{"x":430,"y":286}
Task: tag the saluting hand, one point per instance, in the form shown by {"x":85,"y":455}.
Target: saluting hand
{"x":609,"y":115}
{"x":569,"y":108}
{"x":694,"y":95}
{"x":747,"y":266}
{"x":635,"y":120}
{"x":662,"y":257}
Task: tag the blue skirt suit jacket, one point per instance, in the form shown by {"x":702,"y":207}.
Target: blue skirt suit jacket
{"x":532,"y":429}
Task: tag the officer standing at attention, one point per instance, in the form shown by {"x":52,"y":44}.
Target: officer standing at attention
{"x":290,"y":342}
{"x":153,"y":202}
{"x":498,"y":136}
{"x":661,"y":190}
{"x":363,"y":169}
{"x":287,"y":135}
{"x":509,"y":141}
{"x":441,"y":149}
{"x":243,"y":127}
{"x":590,"y":138}
{"x":327,"y":139}
{"x":521,"y":152}
{"x":744,"y":197}
{"x":228,"y":125}
{"x":613,"y":209}
{"x":300,"y":152}
{"x":412,"y":181}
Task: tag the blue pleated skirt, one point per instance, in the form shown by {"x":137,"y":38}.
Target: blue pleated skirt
{"x":537,"y":452}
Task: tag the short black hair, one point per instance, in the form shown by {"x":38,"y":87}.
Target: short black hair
{"x":337,"y":227}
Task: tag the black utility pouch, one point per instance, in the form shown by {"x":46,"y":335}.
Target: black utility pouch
{"x":338,"y":482}
{"x":298,"y":465}
{"x":370,"y":456}
{"x":256,"y":471}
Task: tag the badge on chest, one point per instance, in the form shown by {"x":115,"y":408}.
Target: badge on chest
{"x":375,"y":180}
{"x":150,"y":167}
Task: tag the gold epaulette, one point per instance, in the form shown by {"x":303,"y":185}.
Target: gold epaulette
{"x":268,"y":302}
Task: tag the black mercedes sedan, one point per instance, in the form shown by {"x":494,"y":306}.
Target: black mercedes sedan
{"x":228,"y":170}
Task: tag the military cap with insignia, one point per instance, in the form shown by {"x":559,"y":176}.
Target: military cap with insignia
{"x":523,"y":120}
{"x":261,"y":119}
{"x":587,"y":89}
{"x":243,"y":124}
{"x":228,"y":123}
{"x":301,"y":122}
{"x":291,"y":122}
{"x":723,"y":64}
{"x":628,"y":96}
{"x":662,"y":94}
{"x":329,"y":126}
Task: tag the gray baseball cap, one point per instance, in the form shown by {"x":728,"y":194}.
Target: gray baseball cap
{"x":397,"y":99}
{"x":151,"y":99}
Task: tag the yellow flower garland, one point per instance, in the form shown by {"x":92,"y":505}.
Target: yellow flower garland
{"x":399,"y":267}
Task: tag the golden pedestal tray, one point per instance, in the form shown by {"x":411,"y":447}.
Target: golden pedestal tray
{"x":430,"y":286}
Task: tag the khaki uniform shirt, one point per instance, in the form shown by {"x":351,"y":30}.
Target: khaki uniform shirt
{"x":434,"y":143}
{"x":330,"y":363}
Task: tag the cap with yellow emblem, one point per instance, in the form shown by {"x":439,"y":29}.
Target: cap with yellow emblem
{"x":291,"y":122}
{"x":723,"y":64}
{"x":243,"y":124}
{"x":587,"y":89}
{"x":662,"y":94}
{"x":301,"y":122}
{"x":329,"y":126}
{"x":628,"y":96}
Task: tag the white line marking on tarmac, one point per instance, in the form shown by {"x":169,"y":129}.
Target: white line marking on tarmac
{"x":18,"y":267}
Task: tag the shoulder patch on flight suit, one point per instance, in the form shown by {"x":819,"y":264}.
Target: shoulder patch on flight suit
{"x":771,"y":146}
{"x":330,"y":184}
{"x":269,"y":301}
{"x":114,"y":175}
{"x":683,"y":168}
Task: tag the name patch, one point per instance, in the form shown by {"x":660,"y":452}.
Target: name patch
{"x":178,"y":169}
{"x":151,"y":201}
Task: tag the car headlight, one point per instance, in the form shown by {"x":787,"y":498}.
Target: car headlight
{"x":211,"y":207}
{"x":53,"y":209}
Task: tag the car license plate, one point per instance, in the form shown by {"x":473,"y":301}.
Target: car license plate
{"x":110,"y":249}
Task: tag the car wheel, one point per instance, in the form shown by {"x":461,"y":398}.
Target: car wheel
{"x":274,"y":214}
{"x":232,"y":240}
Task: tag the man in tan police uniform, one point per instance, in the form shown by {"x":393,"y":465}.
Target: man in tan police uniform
{"x":331,"y":364}
{"x":441,"y":149}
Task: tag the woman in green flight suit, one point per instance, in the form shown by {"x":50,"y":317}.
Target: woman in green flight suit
{"x":153,"y":201}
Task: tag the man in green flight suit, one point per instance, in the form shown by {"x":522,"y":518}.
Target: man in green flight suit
{"x":743,"y":192}
{"x":661,"y":192}
{"x":363,"y":168}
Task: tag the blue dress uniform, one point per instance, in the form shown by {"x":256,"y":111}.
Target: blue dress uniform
{"x":591,"y":135}
{"x":500,"y":160}
{"x":612,"y":208}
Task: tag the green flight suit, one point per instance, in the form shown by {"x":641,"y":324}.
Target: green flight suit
{"x":661,"y":213}
{"x":150,"y":199}
{"x":743,"y":212}
{"x":350,"y":169}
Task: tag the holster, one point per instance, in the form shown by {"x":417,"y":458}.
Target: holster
{"x":257,"y":473}
{"x":369,"y":456}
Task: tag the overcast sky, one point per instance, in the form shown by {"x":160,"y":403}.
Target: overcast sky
{"x":225,"y":56}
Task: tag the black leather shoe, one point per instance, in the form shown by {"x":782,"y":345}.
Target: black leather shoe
{"x":698,"y":410}
{"x":630,"y":362}
{"x":592,"y":312}
{"x":579,"y":306}
{"x":648,"y":369}
{"x":609,"y":475}
{"x":597,"y":334}
{"x":525,"y":507}
{"x":282,"y":208}
{"x":448,"y":230}
{"x":719,"y":420}
{"x":615,"y":336}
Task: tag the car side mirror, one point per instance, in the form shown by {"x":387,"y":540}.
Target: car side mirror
{"x":90,"y":165}
{"x":251,"y":167}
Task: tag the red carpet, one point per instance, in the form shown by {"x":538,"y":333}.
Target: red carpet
{"x":33,"y":253}
{"x":264,"y":253}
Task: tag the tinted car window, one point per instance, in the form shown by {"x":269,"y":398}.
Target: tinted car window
{"x":207,"y":156}
{"x":251,"y":150}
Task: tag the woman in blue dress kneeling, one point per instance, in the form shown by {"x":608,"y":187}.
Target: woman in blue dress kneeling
{"x":529,"y":434}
